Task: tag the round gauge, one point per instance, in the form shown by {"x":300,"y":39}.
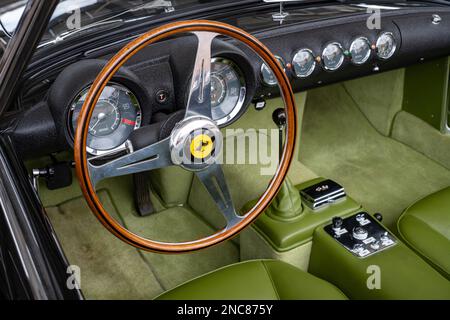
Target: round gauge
{"x":228,"y":90}
{"x":116,"y":114}
{"x":360,"y":50}
{"x":386,"y":45}
{"x":218,"y":89}
{"x":332,"y":56}
{"x":267,"y":75}
{"x":304,"y":63}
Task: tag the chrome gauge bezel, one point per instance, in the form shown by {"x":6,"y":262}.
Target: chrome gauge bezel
{"x":394,"y":48}
{"x":341,"y":61}
{"x":121,"y":147}
{"x":274,"y":83}
{"x":368,"y":55}
{"x":309,"y":71}
{"x":242,"y":91}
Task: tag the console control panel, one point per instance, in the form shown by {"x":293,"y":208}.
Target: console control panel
{"x":360,"y":234}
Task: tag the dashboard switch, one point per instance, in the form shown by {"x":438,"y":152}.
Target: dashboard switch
{"x":162,"y":96}
{"x":260,"y":104}
{"x":378,"y":216}
{"x":360,"y":233}
{"x":375,"y":245}
{"x":336,"y":225}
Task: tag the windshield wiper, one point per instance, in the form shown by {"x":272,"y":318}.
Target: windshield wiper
{"x":164,"y":5}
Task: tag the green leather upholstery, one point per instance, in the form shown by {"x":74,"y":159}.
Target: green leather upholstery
{"x":256,"y":280}
{"x":425,"y":227}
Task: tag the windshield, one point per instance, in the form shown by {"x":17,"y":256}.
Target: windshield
{"x":74,"y":16}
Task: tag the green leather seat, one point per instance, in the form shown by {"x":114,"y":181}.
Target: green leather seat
{"x":256,"y":280}
{"x":425,"y":227}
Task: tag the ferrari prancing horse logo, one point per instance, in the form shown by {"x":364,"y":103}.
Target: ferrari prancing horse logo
{"x":202,"y":146}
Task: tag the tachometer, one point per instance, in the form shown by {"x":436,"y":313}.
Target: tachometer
{"x":228,"y":90}
{"x":115,"y":116}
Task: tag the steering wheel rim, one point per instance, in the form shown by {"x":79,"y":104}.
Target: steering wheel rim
{"x":83,"y":166}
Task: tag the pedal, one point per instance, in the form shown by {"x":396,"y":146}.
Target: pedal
{"x":142,"y":199}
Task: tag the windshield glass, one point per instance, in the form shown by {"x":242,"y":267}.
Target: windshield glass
{"x":74,"y":16}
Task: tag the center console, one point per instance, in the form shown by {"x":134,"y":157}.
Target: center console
{"x":285,"y":230}
{"x":366,"y":261}
{"x":317,"y":227}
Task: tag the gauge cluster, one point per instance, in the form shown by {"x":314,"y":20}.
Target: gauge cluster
{"x":136,"y":92}
{"x":126,"y":102}
{"x":155,"y":84}
{"x":333,"y":55}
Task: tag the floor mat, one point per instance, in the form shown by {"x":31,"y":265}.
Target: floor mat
{"x":175,"y":224}
{"x":110,"y":269}
{"x":384,"y":175}
{"x":178,"y":225}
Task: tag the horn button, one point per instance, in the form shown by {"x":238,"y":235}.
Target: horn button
{"x":195,"y":143}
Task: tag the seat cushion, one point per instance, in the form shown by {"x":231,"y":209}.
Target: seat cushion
{"x":425,"y":227}
{"x":256,"y":280}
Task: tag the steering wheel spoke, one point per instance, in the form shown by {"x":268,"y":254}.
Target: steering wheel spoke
{"x":214,"y":181}
{"x":152,"y":157}
{"x":199,"y":102}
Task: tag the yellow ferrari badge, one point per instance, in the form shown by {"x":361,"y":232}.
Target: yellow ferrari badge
{"x":201,"y":146}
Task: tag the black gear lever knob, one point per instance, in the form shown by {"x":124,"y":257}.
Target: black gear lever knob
{"x":279,"y":117}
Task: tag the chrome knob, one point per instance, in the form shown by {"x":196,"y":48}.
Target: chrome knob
{"x":375,"y":245}
{"x":360,"y":233}
{"x":436,"y":19}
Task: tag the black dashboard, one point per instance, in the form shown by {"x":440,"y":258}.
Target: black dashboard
{"x":335,"y":46}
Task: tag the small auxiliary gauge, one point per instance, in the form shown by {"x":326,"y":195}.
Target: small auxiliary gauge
{"x":267,"y":75}
{"x":386,"y":45}
{"x":360,"y":50}
{"x":332,"y":56}
{"x":303,"y":63}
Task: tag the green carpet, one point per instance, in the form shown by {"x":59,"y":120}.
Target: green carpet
{"x":418,"y":134}
{"x":383,"y":175}
{"x":179,"y":224}
{"x":111,"y":269}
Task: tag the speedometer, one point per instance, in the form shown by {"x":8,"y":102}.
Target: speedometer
{"x":116,"y":114}
{"x":228,"y":90}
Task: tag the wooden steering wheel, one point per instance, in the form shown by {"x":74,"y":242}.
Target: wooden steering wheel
{"x":177,"y":148}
